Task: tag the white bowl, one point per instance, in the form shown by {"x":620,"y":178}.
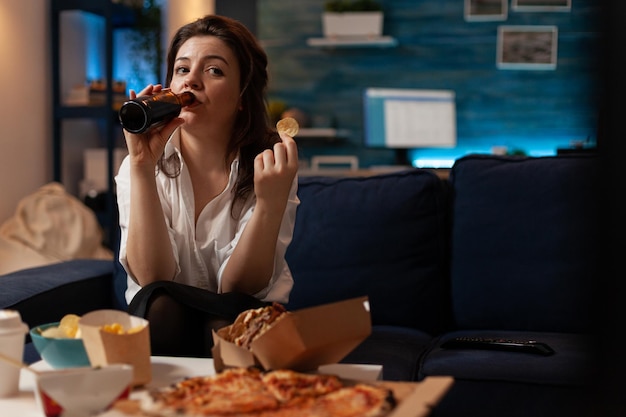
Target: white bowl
{"x":82,"y":391}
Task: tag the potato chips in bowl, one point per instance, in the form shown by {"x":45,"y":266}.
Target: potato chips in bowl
{"x":59,"y":344}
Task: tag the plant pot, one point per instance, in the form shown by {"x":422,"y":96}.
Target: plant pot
{"x":352,"y":24}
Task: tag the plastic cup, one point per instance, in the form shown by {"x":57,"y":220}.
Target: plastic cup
{"x":12,"y":334}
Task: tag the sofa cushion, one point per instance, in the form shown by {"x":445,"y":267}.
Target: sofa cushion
{"x":120,"y":277}
{"x":514,"y":399}
{"x":50,"y":225}
{"x":571,"y":364}
{"x":381,"y":236}
{"x":45,"y":294}
{"x":397,"y":349}
{"x":30,"y":354}
{"x":525,"y":242}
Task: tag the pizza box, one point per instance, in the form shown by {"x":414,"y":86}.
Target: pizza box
{"x":417,"y":399}
{"x":303,"y":340}
{"x":106,"y":348}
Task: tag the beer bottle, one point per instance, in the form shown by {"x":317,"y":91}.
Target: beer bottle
{"x":145,"y":112}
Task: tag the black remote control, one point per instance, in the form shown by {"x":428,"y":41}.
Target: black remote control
{"x":528,"y":346}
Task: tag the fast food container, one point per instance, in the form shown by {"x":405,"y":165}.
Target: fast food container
{"x":303,"y":340}
{"x":105,"y":348}
{"x":82,"y":391}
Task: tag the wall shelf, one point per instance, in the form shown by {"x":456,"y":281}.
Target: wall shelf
{"x":353,"y":41}
{"x":317,"y":135}
{"x":321,"y":133}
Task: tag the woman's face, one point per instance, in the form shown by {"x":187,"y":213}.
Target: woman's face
{"x":207,"y":67}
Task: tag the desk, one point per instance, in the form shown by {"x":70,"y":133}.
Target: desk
{"x":165,"y":370}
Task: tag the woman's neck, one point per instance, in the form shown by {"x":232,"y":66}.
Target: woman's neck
{"x":208,"y":167}
{"x":206,"y":150}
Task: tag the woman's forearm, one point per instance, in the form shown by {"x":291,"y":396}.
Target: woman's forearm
{"x":148,"y":248}
{"x":252,"y":263}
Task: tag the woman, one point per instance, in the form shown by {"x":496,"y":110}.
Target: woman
{"x":218,"y":214}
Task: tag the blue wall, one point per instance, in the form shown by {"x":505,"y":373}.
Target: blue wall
{"x":532,"y":111}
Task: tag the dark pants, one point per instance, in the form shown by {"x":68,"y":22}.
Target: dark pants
{"x":182,"y":317}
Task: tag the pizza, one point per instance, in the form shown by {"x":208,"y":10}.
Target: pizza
{"x":247,"y":392}
{"x":252,"y":323}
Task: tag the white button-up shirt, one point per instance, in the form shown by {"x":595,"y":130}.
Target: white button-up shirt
{"x":203,"y":249}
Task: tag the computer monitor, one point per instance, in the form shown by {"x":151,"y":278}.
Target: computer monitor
{"x":404,"y":119}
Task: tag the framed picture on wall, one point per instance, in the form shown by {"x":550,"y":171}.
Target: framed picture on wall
{"x":541,"y":5}
{"x":485,"y":10}
{"x":527,"y":47}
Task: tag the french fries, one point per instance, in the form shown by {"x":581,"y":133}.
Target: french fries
{"x":117,"y":328}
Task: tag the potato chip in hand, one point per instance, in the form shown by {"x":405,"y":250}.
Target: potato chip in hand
{"x":288,"y":125}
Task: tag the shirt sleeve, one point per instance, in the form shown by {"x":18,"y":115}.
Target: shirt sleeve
{"x":122,"y":186}
{"x":123,"y":192}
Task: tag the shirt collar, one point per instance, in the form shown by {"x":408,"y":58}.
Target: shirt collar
{"x":173,"y":144}
{"x":173,"y":147}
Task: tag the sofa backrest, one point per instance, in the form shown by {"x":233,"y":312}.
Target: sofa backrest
{"x":525,"y":242}
{"x":382,"y":236}
{"x":46,"y":293}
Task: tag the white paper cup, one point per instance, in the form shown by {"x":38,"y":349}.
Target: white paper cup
{"x":12,"y":333}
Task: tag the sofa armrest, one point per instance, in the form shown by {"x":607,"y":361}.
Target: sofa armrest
{"x":45,"y":294}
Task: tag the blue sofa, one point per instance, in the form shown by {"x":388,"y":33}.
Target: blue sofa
{"x":503,"y":247}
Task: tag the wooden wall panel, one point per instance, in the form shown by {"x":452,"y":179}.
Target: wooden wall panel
{"x":534,"y":111}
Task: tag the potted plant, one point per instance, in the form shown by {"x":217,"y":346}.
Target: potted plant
{"x":352,"y":18}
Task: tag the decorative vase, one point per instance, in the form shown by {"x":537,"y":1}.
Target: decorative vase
{"x":352,"y":24}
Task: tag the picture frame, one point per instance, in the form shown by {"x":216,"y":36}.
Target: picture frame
{"x":527,"y":47}
{"x":485,"y":10}
{"x":541,"y":5}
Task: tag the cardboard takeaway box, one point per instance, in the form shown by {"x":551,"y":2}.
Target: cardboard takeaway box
{"x":303,"y":340}
{"x":417,"y":399}
{"x":104,"y":348}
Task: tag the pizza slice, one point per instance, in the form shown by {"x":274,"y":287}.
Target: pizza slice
{"x":231,"y":392}
{"x":287,"y":385}
{"x":249,"y":392}
{"x":359,"y":400}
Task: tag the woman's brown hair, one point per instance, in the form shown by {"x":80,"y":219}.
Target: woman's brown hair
{"x":251,"y":133}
